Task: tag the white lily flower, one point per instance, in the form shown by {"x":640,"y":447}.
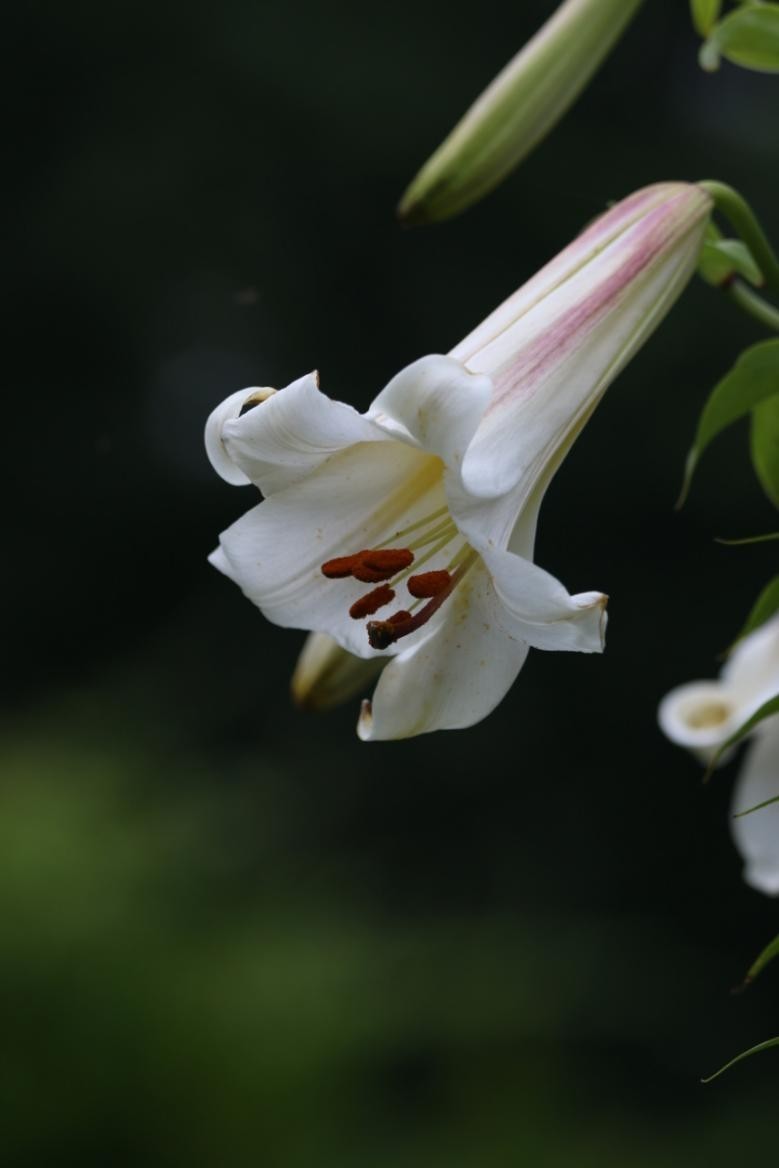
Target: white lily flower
{"x":704,"y":714}
{"x":431,"y":497}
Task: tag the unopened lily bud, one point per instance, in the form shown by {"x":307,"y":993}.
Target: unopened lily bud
{"x":327,"y":675}
{"x":518,"y":109}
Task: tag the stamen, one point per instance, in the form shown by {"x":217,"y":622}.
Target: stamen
{"x":447,"y":528}
{"x":428,"y":584}
{"x":388,"y":560}
{"x":339,"y":568}
{"x":370,"y":566}
{"x":367,"y":605}
{"x":383,"y":633}
{"x":423,"y":522}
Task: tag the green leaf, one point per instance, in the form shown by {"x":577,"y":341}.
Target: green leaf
{"x":765,"y":446}
{"x":764,"y":607}
{"x":744,"y":1054}
{"x":722,"y":259}
{"x":765,"y":711}
{"x":747,"y":539}
{"x":704,"y":15}
{"x":757,"y":807}
{"x":754,"y":377}
{"x":749,"y":37}
{"x":765,"y":958}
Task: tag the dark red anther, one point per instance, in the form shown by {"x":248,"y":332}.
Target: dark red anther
{"x":367,"y":605}
{"x":428,"y":584}
{"x":381,"y":634}
{"x":389,"y":560}
{"x":367,"y":575}
{"x":339,"y":568}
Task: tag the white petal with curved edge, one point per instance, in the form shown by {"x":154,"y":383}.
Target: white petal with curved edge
{"x":436,"y":402}
{"x":452,"y":678}
{"x":226,"y":411}
{"x":700,"y":715}
{"x":282,"y":441}
{"x":757,"y":835}
{"x":540,"y":611}
{"x":358,"y":499}
{"x":219,"y":560}
{"x":752,"y":669}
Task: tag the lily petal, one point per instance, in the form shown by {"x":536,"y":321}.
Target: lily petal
{"x":553,"y":364}
{"x":539,"y":608}
{"x":226,"y":411}
{"x":455,"y":676}
{"x":359,"y":499}
{"x":752,"y":669}
{"x":437,"y":403}
{"x":282,"y":441}
{"x":701,"y":716}
{"x":757,"y":835}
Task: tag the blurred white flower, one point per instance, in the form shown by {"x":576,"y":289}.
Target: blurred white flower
{"x":434,"y":493}
{"x":704,"y":714}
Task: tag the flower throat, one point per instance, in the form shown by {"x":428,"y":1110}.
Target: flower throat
{"x":389,"y":567}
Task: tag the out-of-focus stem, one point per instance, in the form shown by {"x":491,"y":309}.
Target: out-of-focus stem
{"x":738,"y":212}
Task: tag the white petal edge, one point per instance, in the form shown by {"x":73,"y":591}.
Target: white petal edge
{"x":437,"y":403}
{"x":700,"y":715}
{"x":539,"y":608}
{"x":757,"y":835}
{"x":752,"y":669}
{"x":453,"y":678}
{"x":290,"y":435}
{"x":227,"y":410}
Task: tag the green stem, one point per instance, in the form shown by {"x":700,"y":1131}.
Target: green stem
{"x":737,"y":210}
{"x":754,"y":304}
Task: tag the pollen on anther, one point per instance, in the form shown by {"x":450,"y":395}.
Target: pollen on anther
{"x":339,"y":568}
{"x":388,"y":560}
{"x":428,"y":584}
{"x":372,"y":602}
{"x":367,"y":575}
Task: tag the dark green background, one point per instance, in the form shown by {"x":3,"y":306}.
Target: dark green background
{"x":230,"y":934}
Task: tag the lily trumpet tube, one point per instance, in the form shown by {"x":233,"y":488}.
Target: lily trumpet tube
{"x":407,"y":532}
{"x":702,"y":715}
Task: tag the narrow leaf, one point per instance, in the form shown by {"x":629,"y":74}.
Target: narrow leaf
{"x":754,"y":377}
{"x":722,"y":259}
{"x":762,"y":960}
{"x":765,"y":711}
{"x":704,"y":15}
{"x":747,"y":539}
{"x":764,"y":607}
{"x":749,"y":37}
{"x":765,"y":446}
{"x":757,"y":807}
{"x":744,"y":1054}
